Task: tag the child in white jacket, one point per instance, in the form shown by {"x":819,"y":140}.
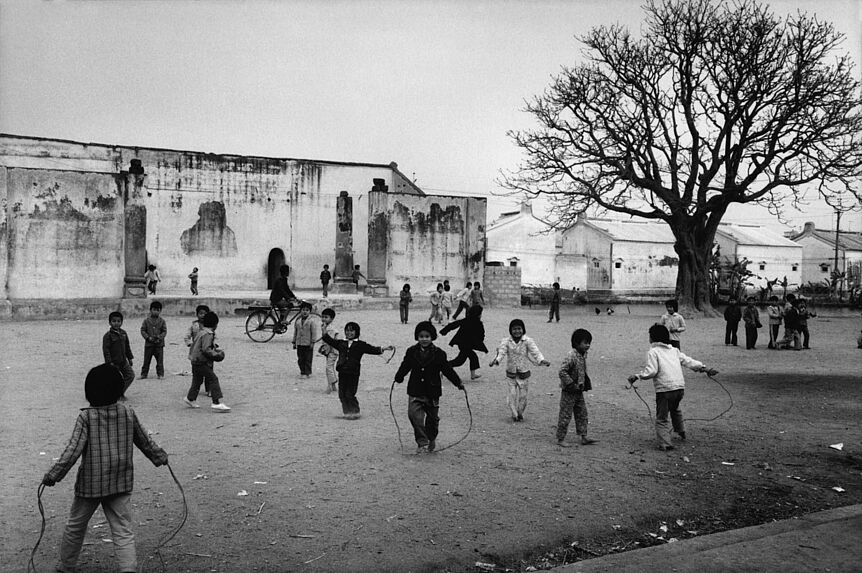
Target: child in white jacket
{"x":664,"y":365}
{"x":519,"y":350}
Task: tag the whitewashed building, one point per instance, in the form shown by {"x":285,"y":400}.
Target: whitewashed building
{"x":818,"y":255}
{"x":771,"y":255}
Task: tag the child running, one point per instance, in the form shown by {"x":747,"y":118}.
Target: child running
{"x":154,"y":330}
{"x":673,"y":321}
{"x":663,"y":365}
{"x":469,"y":338}
{"x":518,"y":350}
{"x":405,"y":298}
{"x":425,"y":362}
{"x":200,"y":312}
{"x":574,"y":381}
{"x":203,"y":353}
{"x":326,"y":318}
{"x":436,"y":301}
{"x":104,"y":438}
{"x":463,"y":298}
{"x":116,"y":350}
{"x":350,"y":352}
{"x":446,"y":301}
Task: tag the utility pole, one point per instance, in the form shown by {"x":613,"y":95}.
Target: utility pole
{"x":835,"y":261}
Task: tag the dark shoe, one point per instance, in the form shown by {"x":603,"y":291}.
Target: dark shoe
{"x":142,"y":376}
{"x":421,"y":449}
{"x":585,"y":441}
{"x":520,"y":418}
{"x":563,"y":444}
{"x":682,"y":436}
{"x":514,"y":418}
{"x":665,"y":448}
{"x":432,"y":445}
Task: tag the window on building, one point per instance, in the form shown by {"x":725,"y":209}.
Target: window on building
{"x":824,"y":268}
{"x":794,"y":268}
{"x":762,"y":266}
{"x":513,"y":263}
{"x":596,"y":264}
{"x":618,"y":265}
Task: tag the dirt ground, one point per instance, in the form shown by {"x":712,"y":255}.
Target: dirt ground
{"x":329,"y":494}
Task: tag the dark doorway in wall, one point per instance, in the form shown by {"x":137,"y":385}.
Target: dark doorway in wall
{"x":276,"y":259}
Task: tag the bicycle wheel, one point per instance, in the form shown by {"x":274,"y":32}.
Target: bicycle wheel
{"x":260,"y":326}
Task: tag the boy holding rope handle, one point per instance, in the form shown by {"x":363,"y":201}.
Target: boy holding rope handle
{"x":663,"y":365}
{"x":104,"y":436}
{"x":425,"y":362}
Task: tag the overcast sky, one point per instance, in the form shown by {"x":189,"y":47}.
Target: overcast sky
{"x":432,"y":85}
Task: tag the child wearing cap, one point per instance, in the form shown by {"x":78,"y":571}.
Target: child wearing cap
{"x":519,"y":350}
{"x":425,"y":362}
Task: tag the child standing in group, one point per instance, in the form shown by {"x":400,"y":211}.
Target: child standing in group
{"x":664,"y":366}
{"x":203,"y":353}
{"x":436,"y":299}
{"x":554,"y":311}
{"x":306,"y":331}
{"x":476,"y":296}
{"x":326,"y":318}
{"x":325,"y":277}
{"x":193,"y":277}
{"x":469,"y":338}
{"x":195,"y":327}
{"x":673,"y":321}
{"x":104,"y":438}
{"x":774,"y":312}
{"x":802,"y":322}
{"x":152,"y":278}
{"x":732,"y":316}
{"x":117,"y":351}
{"x":405,"y":298}
{"x":791,"y":325}
{"x":154,"y":330}
{"x":518,"y":350}
{"x":751,"y":318}
{"x":446,"y":301}
{"x":425,"y":362}
{"x":574,"y":381}
{"x":350,"y":352}
{"x":463,"y":298}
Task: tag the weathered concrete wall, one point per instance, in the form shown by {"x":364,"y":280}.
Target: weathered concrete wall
{"x":502,"y":286}
{"x":528,"y":239}
{"x":65,"y":234}
{"x":571,"y":271}
{"x":429,"y":238}
{"x":4,"y":237}
{"x":643,"y":266}
{"x":597,"y":248}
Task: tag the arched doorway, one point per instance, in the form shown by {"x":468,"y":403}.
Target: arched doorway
{"x":276,"y":259}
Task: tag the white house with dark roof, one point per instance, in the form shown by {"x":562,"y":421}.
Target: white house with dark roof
{"x":818,"y":254}
{"x":770,"y":254}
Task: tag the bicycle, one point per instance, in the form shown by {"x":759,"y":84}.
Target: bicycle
{"x":265,"y":322}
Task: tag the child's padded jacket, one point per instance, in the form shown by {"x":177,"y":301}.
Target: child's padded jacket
{"x":425,"y":368}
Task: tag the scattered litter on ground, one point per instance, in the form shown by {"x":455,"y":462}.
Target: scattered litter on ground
{"x":680,"y":522}
{"x":797,"y":478}
{"x":260,"y":483}
{"x":454,"y":493}
{"x":242,"y":493}
{"x":301,"y":536}
{"x":685,"y":459}
{"x":728,"y":464}
{"x":200,"y":476}
{"x":839,"y":489}
{"x":838,"y":446}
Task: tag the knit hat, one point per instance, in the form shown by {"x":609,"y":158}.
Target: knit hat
{"x":425,"y":326}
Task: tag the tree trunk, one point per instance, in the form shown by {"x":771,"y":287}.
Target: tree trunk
{"x":692,"y":281}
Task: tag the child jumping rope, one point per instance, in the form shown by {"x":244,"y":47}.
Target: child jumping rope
{"x":518,"y":350}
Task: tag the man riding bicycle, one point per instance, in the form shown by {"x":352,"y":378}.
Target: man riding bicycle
{"x":281,"y":297}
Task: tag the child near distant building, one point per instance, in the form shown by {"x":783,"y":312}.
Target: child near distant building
{"x":436,"y":300}
{"x":104,"y":437}
{"x":405,"y":298}
{"x":574,"y":381}
{"x":193,"y":277}
{"x":791,"y":325}
{"x":554,"y":311}
{"x":350,"y":352}
{"x":117,"y":351}
{"x":357,"y":275}
{"x":673,"y":321}
{"x":446,"y":301}
{"x":518,"y":350}
{"x":469,"y":338}
{"x":425,"y":363}
{"x":306,"y":331}
{"x":194,"y":328}
{"x":751,"y":318}
{"x":802,"y":322}
{"x":664,"y":366}
{"x":463,"y":298}
{"x":476,"y":296}
{"x":732,"y":316}
{"x":203,"y":354}
{"x":325,"y":277}
{"x":774,"y":313}
{"x":326,"y":318}
{"x":154,"y":330}
{"x":152,"y":278}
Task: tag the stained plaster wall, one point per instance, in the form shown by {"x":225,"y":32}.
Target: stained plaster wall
{"x":644,"y":267}
{"x":526,"y":238}
{"x":779,"y":261}
{"x":64,"y":234}
{"x":427,"y":239}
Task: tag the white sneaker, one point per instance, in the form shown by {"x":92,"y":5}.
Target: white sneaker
{"x":190,"y":403}
{"x":221,"y":407}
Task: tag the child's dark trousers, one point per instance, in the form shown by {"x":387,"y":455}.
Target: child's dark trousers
{"x":201,"y":372}
{"x":572,"y":404}
{"x":159,"y":353}
{"x":304,"y":356}
{"x":465,"y":353}
{"x":750,"y":336}
{"x":348,"y":384}
{"x":423,"y":414}
{"x":730,"y":333}
{"x":554,"y":312}
{"x":405,"y":312}
{"x":668,"y":403}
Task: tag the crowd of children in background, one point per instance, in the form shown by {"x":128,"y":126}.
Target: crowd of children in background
{"x":794,"y":314}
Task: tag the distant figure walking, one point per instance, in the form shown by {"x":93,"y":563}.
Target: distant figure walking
{"x":193,"y":277}
{"x":152,"y":278}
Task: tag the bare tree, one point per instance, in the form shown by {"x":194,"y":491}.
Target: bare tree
{"x":715,"y":103}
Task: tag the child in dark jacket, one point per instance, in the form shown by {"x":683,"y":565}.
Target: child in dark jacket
{"x":469,"y":338}
{"x":202,"y":354}
{"x":104,"y":438}
{"x":116,"y":349}
{"x":732,"y":316}
{"x":154,"y":330}
{"x":405,"y":298}
{"x":350,"y":352}
{"x":425,"y":362}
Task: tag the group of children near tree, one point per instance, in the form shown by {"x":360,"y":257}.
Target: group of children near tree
{"x":794,"y":314}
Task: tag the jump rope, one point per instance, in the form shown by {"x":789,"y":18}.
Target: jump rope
{"x":31,"y":564}
{"x":649,"y":410}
